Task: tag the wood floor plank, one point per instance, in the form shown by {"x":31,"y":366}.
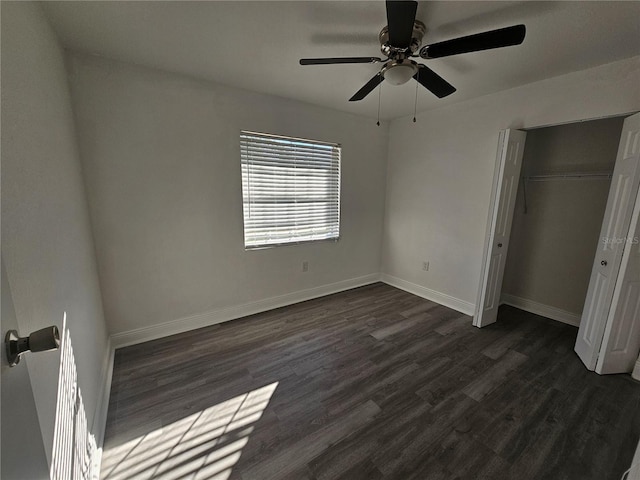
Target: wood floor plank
{"x":406,"y":449}
{"x":453,"y":325}
{"x":298,"y":455}
{"x":494,"y":376}
{"x":400,"y":326}
{"x":346,"y":458}
{"x":505,"y":342}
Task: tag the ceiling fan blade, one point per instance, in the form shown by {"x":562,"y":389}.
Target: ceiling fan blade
{"x":400,"y":18}
{"x":368,"y":88}
{"x":433,"y":82}
{"x":330,"y":61}
{"x":502,"y":37}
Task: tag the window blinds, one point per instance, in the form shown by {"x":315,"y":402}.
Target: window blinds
{"x":290,"y":189}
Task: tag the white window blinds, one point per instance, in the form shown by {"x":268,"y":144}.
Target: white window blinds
{"x":290,"y":189}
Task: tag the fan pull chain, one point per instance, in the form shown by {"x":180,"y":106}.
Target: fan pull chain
{"x":415,"y":103}
{"x":379,"y":95}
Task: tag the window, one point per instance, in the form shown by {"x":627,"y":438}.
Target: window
{"x":290,"y":190}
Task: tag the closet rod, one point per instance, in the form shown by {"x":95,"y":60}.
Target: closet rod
{"x":559,"y":176}
{"x":572,"y":176}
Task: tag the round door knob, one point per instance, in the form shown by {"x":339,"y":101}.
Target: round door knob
{"x":603,"y":263}
{"x":499,"y":245}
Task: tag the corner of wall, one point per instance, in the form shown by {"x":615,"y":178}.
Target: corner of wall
{"x":457,"y":304}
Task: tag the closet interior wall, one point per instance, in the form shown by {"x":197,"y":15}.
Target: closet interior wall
{"x":561,"y":201}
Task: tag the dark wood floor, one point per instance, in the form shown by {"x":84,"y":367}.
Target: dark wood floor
{"x":373,"y":383}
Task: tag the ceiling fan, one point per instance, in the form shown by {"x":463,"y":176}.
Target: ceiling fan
{"x":402,"y":38}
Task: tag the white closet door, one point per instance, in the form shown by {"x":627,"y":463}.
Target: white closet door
{"x":621,"y":342}
{"x":503,"y":199}
{"x":607,"y":262}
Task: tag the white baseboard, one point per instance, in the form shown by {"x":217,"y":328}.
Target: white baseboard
{"x":539,"y":309}
{"x":213,"y":317}
{"x":461,"y":306}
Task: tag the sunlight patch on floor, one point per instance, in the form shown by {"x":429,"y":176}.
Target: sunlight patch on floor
{"x":206,"y":444}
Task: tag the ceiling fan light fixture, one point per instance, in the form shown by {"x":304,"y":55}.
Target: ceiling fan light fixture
{"x":399,"y":72}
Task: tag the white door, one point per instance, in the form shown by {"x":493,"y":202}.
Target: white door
{"x":503,"y":199}
{"x":621,"y":343}
{"x":23,"y":451}
{"x":611,"y":246}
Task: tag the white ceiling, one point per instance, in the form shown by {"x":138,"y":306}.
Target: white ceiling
{"x":256,"y":45}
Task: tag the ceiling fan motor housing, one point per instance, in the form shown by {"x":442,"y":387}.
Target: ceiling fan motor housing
{"x":395,"y":53}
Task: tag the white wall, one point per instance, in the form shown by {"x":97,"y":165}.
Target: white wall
{"x":553,"y":244}
{"x":440,"y":171}
{"x":162,"y":163}
{"x":47,"y":244}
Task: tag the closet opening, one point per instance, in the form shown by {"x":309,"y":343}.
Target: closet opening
{"x":559,"y":209}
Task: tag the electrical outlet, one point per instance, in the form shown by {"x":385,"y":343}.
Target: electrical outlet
{"x":305,"y":266}
{"x":425,"y":266}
